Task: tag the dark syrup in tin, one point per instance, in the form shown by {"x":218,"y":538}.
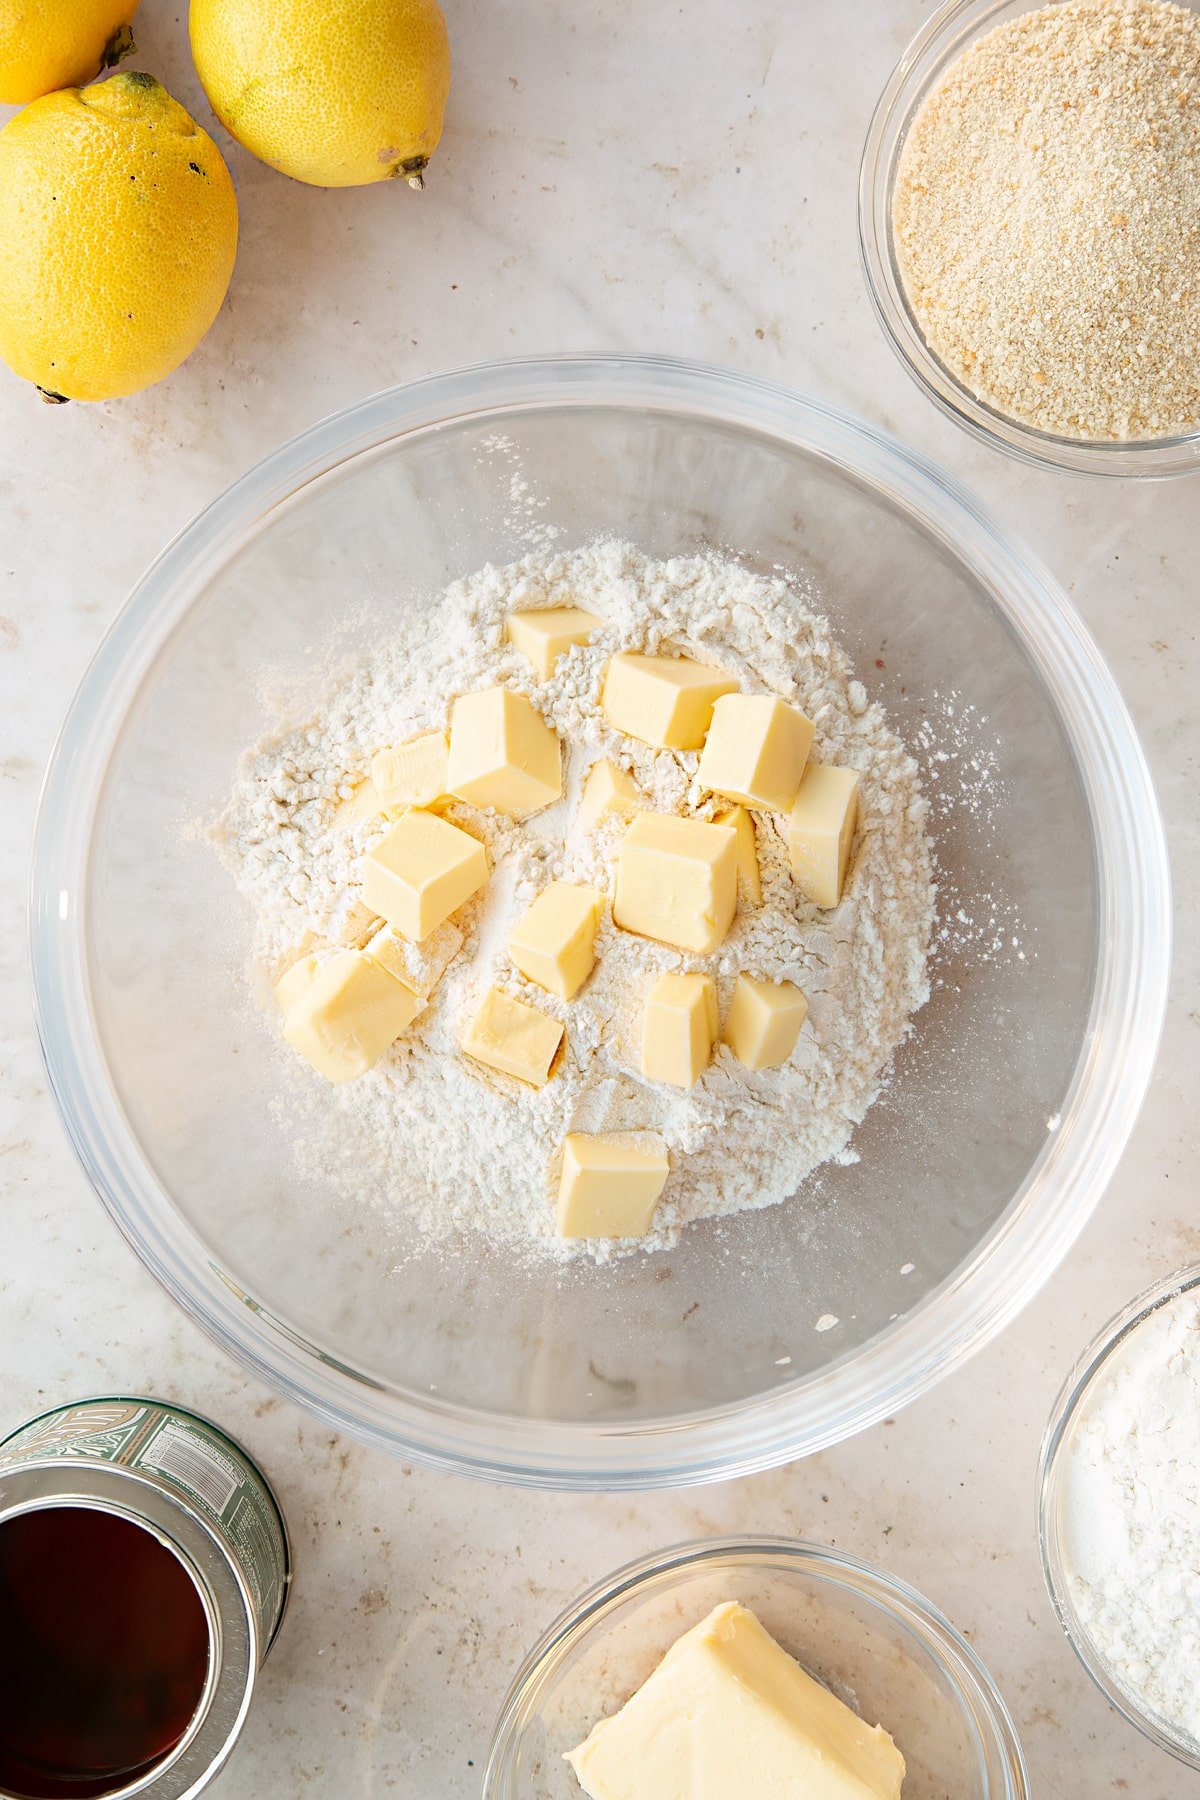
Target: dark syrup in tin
{"x":104,"y":1648}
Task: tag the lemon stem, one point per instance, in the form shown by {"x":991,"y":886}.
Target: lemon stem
{"x":50,"y":398}
{"x":119,"y":45}
{"x":413,"y":170}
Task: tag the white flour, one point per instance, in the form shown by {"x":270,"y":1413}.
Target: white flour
{"x":431,"y":1135}
{"x":1132,"y":1537}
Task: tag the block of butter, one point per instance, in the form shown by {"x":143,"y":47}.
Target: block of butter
{"x":543,"y":636}
{"x":749,"y":874}
{"x":503,"y":753}
{"x":607,"y":789}
{"x":729,"y":1715}
{"x":677,"y":881}
{"x":419,"y":966}
{"x":663,"y":700}
{"x":610,"y":1185}
{"x":294,"y":982}
{"x":412,"y":774}
{"x":821,"y":828}
{"x":420,"y":872}
{"x":756,"y":750}
{"x":514,"y":1038}
{"x":347,"y":1014}
{"x":353,"y":923}
{"x":764,"y":1021}
{"x":365,"y":802}
{"x":679,"y":1029}
{"x":555,"y":942}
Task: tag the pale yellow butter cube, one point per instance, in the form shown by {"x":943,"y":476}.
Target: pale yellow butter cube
{"x":756,"y":750}
{"x":421,"y":871}
{"x":677,"y":881}
{"x":663,"y":700}
{"x":764,"y":1021}
{"x":294,"y":982}
{"x":348,"y":1015}
{"x":365,"y":802}
{"x":543,"y":636}
{"x":413,"y":774}
{"x":607,"y":789}
{"x":679,"y":1029}
{"x":821,"y":828}
{"x":749,"y":874}
{"x":609,"y":1187}
{"x":728,"y":1714}
{"x":419,"y":966}
{"x":503,"y":753}
{"x":355,"y":925}
{"x":514,"y":1038}
{"x":555,"y":943}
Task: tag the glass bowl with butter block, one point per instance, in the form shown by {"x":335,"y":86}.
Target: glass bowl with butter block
{"x":886,"y":1691}
{"x":756,"y":1338}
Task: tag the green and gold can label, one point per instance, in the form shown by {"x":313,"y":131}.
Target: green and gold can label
{"x":188,"y":1456}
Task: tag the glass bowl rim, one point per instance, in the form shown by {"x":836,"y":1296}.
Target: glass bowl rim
{"x":1051,"y":1478}
{"x":973,"y":1686}
{"x":1048,"y":1209}
{"x":940,"y":39}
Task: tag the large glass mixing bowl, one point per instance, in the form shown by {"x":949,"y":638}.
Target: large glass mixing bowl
{"x":1007,"y":1109}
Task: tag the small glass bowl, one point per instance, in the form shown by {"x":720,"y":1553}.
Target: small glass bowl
{"x":940,"y":42}
{"x":1069,"y":1408}
{"x":872,"y":1640}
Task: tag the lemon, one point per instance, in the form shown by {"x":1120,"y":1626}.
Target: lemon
{"x":48,"y":44}
{"x":118,"y":230}
{"x":332,"y":92}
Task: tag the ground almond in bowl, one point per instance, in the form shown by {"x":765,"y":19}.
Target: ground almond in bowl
{"x":1046,"y":220}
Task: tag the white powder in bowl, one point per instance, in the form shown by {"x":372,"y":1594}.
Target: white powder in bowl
{"x":1131,"y":1515}
{"x":433,"y":1136}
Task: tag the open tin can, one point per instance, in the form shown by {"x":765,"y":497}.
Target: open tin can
{"x":144,"y":1572}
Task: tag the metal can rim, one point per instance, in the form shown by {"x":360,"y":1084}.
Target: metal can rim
{"x":240,"y":1638}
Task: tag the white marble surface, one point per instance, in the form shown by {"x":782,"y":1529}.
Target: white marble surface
{"x":637,"y":175}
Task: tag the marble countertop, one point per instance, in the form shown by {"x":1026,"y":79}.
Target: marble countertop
{"x":632,"y":176}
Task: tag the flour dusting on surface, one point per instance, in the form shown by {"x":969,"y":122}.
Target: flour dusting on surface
{"x":429,"y":1136}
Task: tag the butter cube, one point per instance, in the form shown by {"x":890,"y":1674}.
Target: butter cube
{"x":730,"y":1706}
{"x":821,"y":829}
{"x":413,"y":774}
{"x":749,"y":875}
{"x":366,"y":802}
{"x":679,"y":1029}
{"x":294,"y":982}
{"x":609,"y":1187}
{"x":419,"y":966}
{"x":677,"y":881}
{"x":663,"y":700}
{"x":421,"y":872}
{"x":354,"y":923}
{"x":756,"y":750}
{"x":348,"y":1015}
{"x":607,"y":789}
{"x":555,"y":943}
{"x":543,"y":636}
{"x":503,"y":753}
{"x":514,"y":1038}
{"x":764,"y":1021}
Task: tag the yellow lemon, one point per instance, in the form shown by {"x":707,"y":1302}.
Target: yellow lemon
{"x":333,"y":92}
{"x":48,"y":44}
{"x":118,"y":230}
